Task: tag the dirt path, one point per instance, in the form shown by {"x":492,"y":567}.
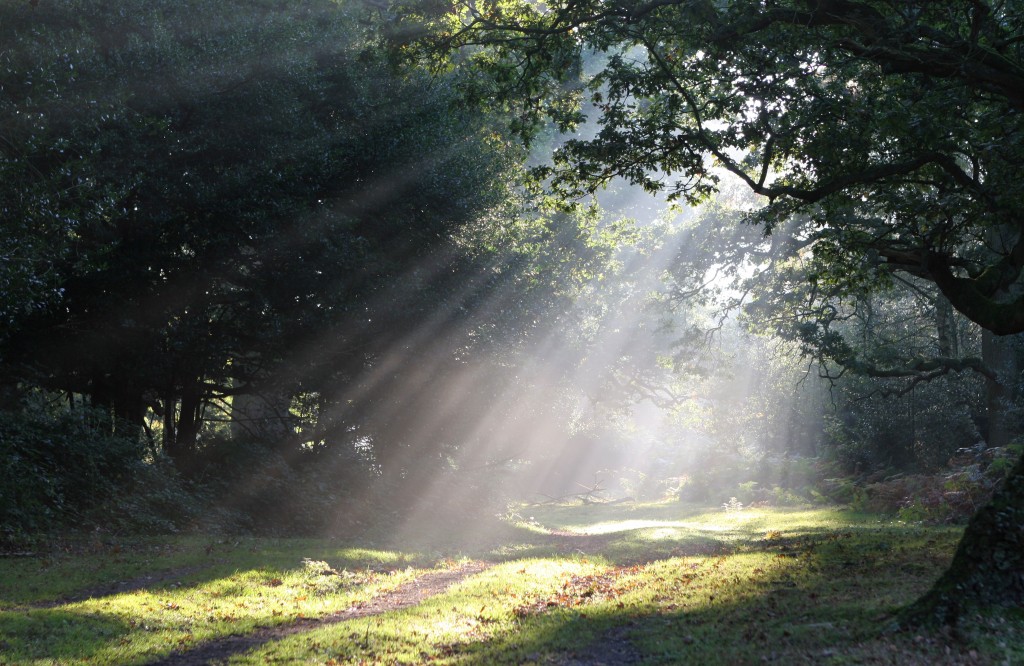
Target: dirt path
{"x":405,"y":596}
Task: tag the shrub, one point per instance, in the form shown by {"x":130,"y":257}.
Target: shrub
{"x":953,"y":496}
{"x":838,"y":490}
{"x":156,"y":500}
{"x":58,"y":466}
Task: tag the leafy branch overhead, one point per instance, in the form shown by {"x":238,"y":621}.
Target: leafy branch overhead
{"x":893,"y":129}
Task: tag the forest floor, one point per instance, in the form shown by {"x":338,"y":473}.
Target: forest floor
{"x":556,"y":584}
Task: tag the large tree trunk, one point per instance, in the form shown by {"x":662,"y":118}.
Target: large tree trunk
{"x":999,"y":354}
{"x":988,"y":567}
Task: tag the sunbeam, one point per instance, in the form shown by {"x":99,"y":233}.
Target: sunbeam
{"x":489,"y":331}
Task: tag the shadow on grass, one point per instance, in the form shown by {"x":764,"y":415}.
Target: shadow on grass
{"x":802,"y":596}
{"x":816,"y":591}
{"x":768,"y":628}
{"x":56,"y":636}
{"x":817,"y":596}
{"x":49,"y":582}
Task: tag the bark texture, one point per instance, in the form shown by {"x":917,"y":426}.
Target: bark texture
{"x":988,"y":566}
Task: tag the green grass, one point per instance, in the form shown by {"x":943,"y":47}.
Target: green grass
{"x":239,"y":586}
{"x":663,"y":583}
{"x":69,"y":569}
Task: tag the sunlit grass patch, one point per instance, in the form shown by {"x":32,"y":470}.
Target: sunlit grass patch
{"x":676,"y":584}
{"x":577,"y":516}
{"x":644,"y":532}
{"x":89,"y":570}
{"x":794,"y":598}
{"x":811,"y":589}
{"x":605,"y":519}
{"x":136,"y":626}
{"x":479,"y":621}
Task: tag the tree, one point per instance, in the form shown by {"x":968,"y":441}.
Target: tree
{"x":456,"y":389}
{"x":889,"y":133}
{"x":201,"y":193}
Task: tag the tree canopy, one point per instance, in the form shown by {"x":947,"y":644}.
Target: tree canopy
{"x":193,"y":198}
{"x":891,"y":129}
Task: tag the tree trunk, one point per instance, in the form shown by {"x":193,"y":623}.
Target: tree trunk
{"x":187,"y":430}
{"x":170,"y":439}
{"x":988,"y":567}
{"x":945,"y":326}
{"x":999,"y":354}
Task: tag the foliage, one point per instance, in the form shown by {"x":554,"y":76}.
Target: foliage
{"x":888,"y":133}
{"x":362,"y":218}
{"x":58,"y":466}
{"x":952,"y":496}
{"x":188,"y":252}
{"x":876,"y":426}
{"x":886,"y":138}
{"x":67,"y":472}
{"x":250,"y":486}
{"x":740,"y":409}
{"x":155,"y":499}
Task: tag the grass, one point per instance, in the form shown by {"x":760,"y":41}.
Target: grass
{"x":654,"y":583}
{"x":69,"y":568}
{"x":239,"y":586}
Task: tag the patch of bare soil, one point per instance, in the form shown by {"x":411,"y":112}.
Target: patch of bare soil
{"x":405,"y":596}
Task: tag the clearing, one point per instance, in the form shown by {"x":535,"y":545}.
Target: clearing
{"x":557,"y":584}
